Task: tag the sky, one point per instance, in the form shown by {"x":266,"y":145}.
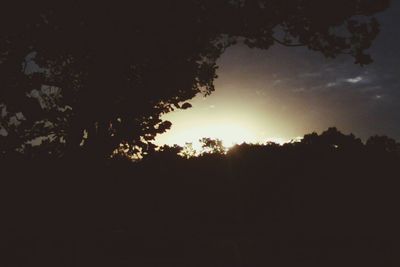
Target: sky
{"x":282,"y":93}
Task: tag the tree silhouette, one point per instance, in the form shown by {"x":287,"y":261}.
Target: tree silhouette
{"x":212,"y":146}
{"x":379,"y":143}
{"x":188,"y":151}
{"x":94,"y":76}
{"x":332,"y":138}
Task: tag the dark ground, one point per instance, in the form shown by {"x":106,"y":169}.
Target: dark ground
{"x":293,"y":205}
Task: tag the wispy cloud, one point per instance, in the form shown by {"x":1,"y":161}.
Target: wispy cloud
{"x":354,"y":80}
{"x":276,"y":82}
{"x":331,"y":84}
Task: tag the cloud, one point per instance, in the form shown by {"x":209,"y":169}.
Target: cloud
{"x":331,"y":84}
{"x":355,"y":79}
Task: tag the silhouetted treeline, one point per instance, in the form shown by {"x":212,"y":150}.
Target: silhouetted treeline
{"x":329,"y":200}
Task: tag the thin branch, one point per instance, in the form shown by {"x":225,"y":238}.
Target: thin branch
{"x":286,"y":44}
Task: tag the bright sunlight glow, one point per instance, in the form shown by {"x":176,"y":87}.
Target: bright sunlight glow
{"x":228,"y":132}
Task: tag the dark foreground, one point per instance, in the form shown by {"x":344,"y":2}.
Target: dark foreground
{"x":296,"y":205}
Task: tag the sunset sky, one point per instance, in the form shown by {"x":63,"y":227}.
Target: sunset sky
{"x":283,"y":93}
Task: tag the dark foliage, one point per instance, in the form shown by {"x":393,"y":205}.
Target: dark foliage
{"x":326,"y":201}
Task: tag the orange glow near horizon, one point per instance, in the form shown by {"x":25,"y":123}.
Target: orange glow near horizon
{"x":228,"y":132}
{"x":227,"y":123}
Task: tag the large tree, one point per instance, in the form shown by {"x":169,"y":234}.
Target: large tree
{"x":89,"y":76}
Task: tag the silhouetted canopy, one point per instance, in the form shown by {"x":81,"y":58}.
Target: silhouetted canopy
{"x":94,"y":76}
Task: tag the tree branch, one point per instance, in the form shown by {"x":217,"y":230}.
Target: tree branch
{"x":286,"y":44}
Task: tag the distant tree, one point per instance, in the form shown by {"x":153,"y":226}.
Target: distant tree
{"x":249,"y":151}
{"x":93,"y":76}
{"x":165,"y":153}
{"x":382,"y":144}
{"x":332,"y":138}
{"x":310,"y":139}
{"x":188,"y":151}
{"x":212,"y":146}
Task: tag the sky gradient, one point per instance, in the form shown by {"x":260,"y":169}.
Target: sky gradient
{"x":283,"y":93}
